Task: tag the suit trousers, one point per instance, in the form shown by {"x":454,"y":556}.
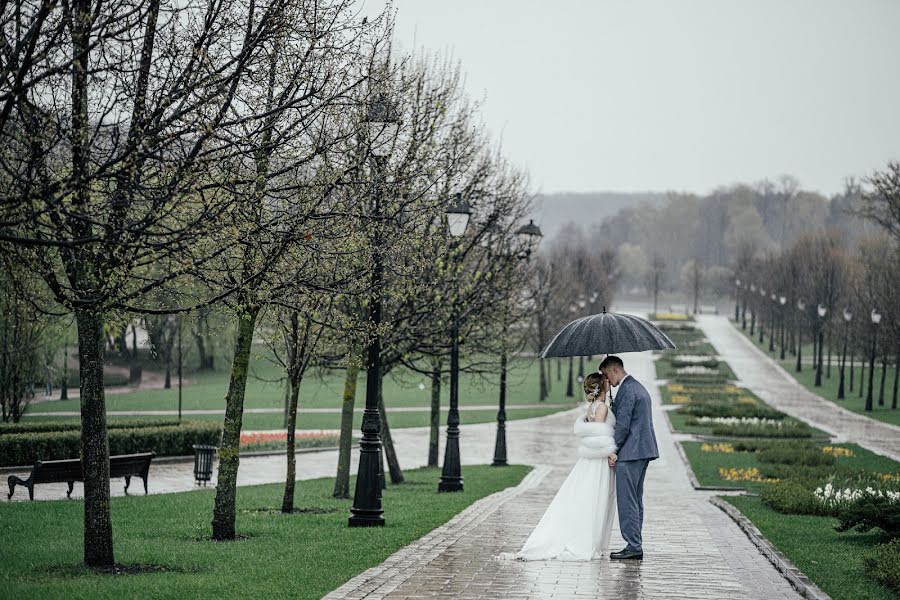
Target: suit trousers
{"x":630,"y":499}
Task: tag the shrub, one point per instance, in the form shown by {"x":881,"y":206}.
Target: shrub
{"x":791,"y":497}
{"x":32,"y":426}
{"x":792,"y":429}
{"x":795,"y":453}
{"x":173,"y":440}
{"x":882,"y":564}
{"x":870,"y":511}
{"x":721,"y":409}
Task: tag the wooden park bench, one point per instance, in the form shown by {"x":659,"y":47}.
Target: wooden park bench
{"x":69,"y":471}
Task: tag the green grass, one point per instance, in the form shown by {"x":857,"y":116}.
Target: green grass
{"x":283,"y":556}
{"x":401,"y":388}
{"x":706,"y":464}
{"x":252,"y":421}
{"x":829,"y":389}
{"x":834,"y":561}
{"x":679,"y":424}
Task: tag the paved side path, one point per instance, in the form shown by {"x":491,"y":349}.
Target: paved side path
{"x":692,"y":549}
{"x":777,"y":387}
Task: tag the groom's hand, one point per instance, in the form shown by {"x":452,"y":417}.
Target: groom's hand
{"x":611,"y":459}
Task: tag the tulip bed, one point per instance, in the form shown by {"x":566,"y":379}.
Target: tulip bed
{"x":832,"y":509}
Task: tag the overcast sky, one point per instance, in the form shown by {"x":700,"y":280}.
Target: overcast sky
{"x":676,"y":95}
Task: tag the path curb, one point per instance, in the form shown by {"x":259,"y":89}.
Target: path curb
{"x":795,"y":576}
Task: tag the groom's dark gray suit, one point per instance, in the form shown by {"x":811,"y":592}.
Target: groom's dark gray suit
{"x":636,"y":444}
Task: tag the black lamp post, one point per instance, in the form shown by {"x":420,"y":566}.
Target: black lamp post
{"x":762,"y":305}
{"x":773,"y":323}
{"x":782,"y":300}
{"x":737,"y":300}
{"x":530,"y":235}
{"x":381,"y":123}
{"x":876,"y":319}
{"x":582,"y":303}
{"x":822,"y":311}
{"x":848,"y":316}
{"x":570,"y":389}
{"x":752,"y":312}
{"x":458,"y":214}
{"x":801,"y":308}
{"x":592,"y":301}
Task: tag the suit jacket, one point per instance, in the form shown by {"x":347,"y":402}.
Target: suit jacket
{"x":634,"y":433}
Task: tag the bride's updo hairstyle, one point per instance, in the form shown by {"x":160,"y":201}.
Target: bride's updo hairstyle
{"x":592,"y":386}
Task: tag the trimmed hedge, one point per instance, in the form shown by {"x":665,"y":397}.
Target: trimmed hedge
{"x":26,"y":448}
{"x":720,"y":409}
{"x":33,"y":426}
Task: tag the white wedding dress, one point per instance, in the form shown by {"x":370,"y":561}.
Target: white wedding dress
{"x":578,"y":523}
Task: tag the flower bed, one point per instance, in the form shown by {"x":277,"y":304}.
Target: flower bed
{"x":277,"y":440}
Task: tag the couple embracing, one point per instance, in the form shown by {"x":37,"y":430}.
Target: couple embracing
{"x":615,"y":444}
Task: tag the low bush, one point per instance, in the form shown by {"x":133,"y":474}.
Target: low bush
{"x":795,"y":453}
{"x":173,"y":440}
{"x":791,"y":497}
{"x":882,"y":564}
{"x":722,"y":409}
{"x":871,"y":510}
{"x":790,"y":429}
{"x":34,"y":426}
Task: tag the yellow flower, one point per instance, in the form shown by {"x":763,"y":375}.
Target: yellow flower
{"x":670,"y":316}
{"x":680,"y":399}
{"x":890,"y":476}
{"x":717,"y":447}
{"x":747,"y":400}
{"x":676,"y":387}
{"x":742,"y":474}
{"x":838,"y":451}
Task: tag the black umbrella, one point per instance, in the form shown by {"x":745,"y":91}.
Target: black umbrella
{"x":607,"y":333}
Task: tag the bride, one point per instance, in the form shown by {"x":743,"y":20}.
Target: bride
{"x":578,"y":522}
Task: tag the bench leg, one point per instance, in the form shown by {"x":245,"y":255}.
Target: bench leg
{"x":12,"y":486}
{"x":14,"y":481}
{"x":31,"y":491}
{"x":127,"y":483}
{"x":71,"y":485}
{"x":144,"y":477}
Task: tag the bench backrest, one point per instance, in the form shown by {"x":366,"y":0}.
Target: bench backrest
{"x":129,"y":464}
{"x":55,"y":471}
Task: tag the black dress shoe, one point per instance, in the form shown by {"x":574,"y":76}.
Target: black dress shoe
{"x":627,"y":554}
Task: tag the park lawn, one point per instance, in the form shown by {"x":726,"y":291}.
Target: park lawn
{"x":829,"y":389}
{"x":257,"y":421}
{"x":706,"y":464}
{"x":282,"y":556}
{"x":832,"y":560}
{"x":325,"y":390}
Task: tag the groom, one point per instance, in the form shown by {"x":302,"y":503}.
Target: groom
{"x":637,"y":447}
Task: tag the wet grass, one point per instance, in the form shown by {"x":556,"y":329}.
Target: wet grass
{"x":162,"y":541}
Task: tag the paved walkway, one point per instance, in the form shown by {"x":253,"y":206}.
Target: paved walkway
{"x":279,"y":410}
{"x":777,"y":387}
{"x":692,"y":549}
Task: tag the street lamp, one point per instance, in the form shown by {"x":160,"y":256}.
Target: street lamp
{"x":570,"y":391}
{"x":782,"y":300}
{"x":821,"y":311}
{"x":875,"y":316}
{"x":458,"y":214}
{"x":737,"y":300}
{"x":848,"y":316}
{"x":530,"y":236}
{"x":752,"y":312}
{"x":773,"y":324}
{"x":381,"y":123}
{"x":801,"y":307}
{"x":762,"y":336}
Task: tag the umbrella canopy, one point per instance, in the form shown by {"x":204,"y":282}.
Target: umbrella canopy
{"x":607,"y":333}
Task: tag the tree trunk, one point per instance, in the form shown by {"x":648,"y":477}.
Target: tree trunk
{"x":434,"y":438}
{"x":287,"y":503}
{"x":229,"y":458}
{"x":884,"y":362}
{"x":342,"y":479}
{"x":387,"y":443}
{"x":98,"y":543}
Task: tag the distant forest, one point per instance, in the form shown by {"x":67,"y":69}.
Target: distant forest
{"x":679,"y":235}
